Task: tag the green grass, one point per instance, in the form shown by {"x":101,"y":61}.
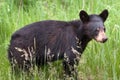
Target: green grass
{"x":99,"y":61}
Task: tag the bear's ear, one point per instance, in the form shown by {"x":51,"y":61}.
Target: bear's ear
{"x":104,"y":14}
{"x":84,"y":16}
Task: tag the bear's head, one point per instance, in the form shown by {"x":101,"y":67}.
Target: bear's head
{"x":93,"y":25}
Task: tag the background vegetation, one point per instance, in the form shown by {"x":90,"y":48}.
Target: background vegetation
{"x":99,"y":61}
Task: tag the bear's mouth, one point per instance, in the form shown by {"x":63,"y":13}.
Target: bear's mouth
{"x":103,"y":40}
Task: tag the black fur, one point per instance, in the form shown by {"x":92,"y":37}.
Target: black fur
{"x":50,"y":40}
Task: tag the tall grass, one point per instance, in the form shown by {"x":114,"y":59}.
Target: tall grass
{"x":99,"y":61}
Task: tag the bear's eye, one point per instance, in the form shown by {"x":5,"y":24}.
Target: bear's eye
{"x":97,"y":29}
{"x":104,"y":29}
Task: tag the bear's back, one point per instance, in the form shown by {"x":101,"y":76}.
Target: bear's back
{"x":45,"y":32}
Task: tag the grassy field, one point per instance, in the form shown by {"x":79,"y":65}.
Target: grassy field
{"x":99,"y":61}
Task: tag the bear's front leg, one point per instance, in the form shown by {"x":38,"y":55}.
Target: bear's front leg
{"x":70,"y":63}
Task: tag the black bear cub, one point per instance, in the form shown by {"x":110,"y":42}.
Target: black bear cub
{"x":51,"y":40}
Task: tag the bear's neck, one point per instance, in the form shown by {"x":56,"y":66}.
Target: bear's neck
{"x":84,"y":42}
{"x":80,"y":33}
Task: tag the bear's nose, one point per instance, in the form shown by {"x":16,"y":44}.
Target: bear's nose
{"x":104,"y":39}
